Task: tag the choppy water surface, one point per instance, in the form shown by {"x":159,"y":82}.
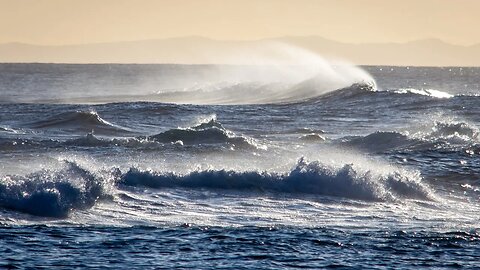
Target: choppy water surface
{"x":112,"y":166}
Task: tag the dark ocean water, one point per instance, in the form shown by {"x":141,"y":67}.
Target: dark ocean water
{"x":239,"y":167}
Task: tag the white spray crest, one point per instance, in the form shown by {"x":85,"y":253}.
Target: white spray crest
{"x":268,"y":72}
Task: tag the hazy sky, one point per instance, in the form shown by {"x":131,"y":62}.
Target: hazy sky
{"x":59,"y":22}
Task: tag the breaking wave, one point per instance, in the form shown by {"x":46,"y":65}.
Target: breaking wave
{"x":56,"y":193}
{"x":306,"y":177}
{"x":51,"y":193}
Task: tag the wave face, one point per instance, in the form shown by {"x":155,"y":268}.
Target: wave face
{"x":79,"y":121}
{"x":51,"y":193}
{"x":306,"y":177}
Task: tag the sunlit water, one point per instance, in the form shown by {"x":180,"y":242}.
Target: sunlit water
{"x":100,"y":169}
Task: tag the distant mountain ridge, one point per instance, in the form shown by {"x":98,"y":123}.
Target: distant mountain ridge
{"x":201,"y":50}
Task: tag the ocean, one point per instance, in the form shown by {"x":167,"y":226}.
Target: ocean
{"x":239,"y":167}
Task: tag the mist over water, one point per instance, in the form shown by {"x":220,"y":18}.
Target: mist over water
{"x":267,"y":73}
{"x":271,"y":73}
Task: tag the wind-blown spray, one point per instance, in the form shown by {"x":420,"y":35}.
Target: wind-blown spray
{"x":268,"y":73}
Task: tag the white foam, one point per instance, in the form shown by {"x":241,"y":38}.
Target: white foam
{"x":424,"y":92}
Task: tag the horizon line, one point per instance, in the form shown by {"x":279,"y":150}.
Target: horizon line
{"x":217,"y":64}
{"x":243,"y":40}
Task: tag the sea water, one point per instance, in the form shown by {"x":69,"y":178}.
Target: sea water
{"x":239,"y":167}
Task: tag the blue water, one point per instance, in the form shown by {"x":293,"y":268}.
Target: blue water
{"x":239,"y":248}
{"x":164,"y":166}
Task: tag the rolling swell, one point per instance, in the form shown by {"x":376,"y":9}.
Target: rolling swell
{"x":80,"y":121}
{"x":305,"y":177}
{"x":207,"y":133}
{"x":382,"y":141}
{"x":51,"y":193}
